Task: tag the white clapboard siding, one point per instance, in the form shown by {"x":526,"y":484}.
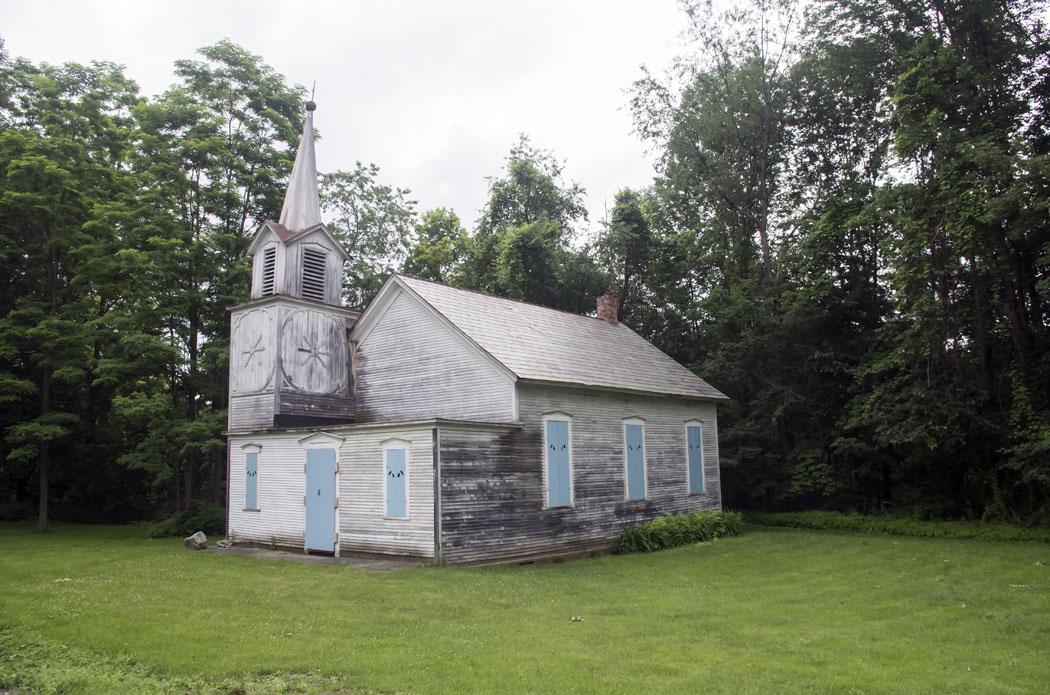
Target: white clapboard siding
{"x":280,"y":519}
{"x":360,"y":517}
{"x":251,"y":412}
{"x":411,"y":365}
{"x":493,"y":496}
{"x":363,"y":526}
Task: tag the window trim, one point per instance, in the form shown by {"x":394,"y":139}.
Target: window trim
{"x":557,"y":416}
{"x":645,"y":464}
{"x":396,"y":445}
{"x":247,"y":450}
{"x":699,"y":424}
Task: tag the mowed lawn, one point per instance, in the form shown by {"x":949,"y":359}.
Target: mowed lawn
{"x":770,"y":611}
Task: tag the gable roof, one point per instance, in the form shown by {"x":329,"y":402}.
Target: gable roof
{"x":287,"y":237}
{"x":536,"y":343}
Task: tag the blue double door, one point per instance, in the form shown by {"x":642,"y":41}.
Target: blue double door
{"x":320,"y":500}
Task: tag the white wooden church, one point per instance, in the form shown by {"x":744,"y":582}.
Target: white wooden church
{"x":445,"y":424}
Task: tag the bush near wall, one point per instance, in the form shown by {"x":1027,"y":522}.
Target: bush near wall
{"x":677,"y":529}
{"x":834,"y":521}
{"x":201,"y":516}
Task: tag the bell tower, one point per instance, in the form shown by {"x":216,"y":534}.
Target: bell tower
{"x":290,"y":361}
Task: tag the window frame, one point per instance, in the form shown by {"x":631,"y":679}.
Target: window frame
{"x":397,"y":445}
{"x":558,"y":416}
{"x":626,"y":464}
{"x":699,"y":425}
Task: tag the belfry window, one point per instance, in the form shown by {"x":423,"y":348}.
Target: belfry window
{"x":269,"y":269}
{"x":313,"y":274}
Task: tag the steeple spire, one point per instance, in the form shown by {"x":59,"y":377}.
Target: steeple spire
{"x":302,"y":204}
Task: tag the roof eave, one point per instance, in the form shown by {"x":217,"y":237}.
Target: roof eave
{"x":720,"y":397}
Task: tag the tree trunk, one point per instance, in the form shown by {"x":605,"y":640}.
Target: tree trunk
{"x":43,"y":461}
{"x":43,"y":454}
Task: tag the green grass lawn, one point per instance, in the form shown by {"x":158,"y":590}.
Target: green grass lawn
{"x":771,"y":611}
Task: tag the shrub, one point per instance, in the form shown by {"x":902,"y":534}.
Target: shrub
{"x":677,"y":529}
{"x":834,"y":521}
{"x":201,"y":516}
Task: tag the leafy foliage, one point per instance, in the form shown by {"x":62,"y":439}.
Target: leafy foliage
{"x":674,"y":530}
{"x":441,"y":242}
{"x":522,"y":245}
{"x":373,"y":221}
{"x":848,"y":234}
{"x":853,"y":261}
{"x":834,"y":521}
{"x":201,"y":516}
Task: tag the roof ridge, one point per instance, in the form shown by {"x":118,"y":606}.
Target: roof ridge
{"x":506,"y":299}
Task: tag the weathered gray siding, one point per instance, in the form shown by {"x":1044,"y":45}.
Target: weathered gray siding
{"x":412,"y":366}
{"x":288,"y":356}
{"x":493,"y":497}
{"x":251,"y":412}
{"x":362,"y":526}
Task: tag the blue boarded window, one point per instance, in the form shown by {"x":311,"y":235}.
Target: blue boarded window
{"x":395,"y":471}
{"x":694,"y":442}
{"x":251,"y":481}
{"x":559,"y":461}
{"x":634,"y":453}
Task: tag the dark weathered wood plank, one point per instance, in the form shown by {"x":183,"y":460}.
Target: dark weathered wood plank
{"x":493,"y":494}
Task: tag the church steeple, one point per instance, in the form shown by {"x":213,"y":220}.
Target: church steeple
{"x":298,"y":256}
{"x":302,"y":204}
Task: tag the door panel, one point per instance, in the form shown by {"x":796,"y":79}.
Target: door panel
{"x":320,"y":499}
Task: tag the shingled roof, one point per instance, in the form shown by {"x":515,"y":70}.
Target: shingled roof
{"x":541,"y":344}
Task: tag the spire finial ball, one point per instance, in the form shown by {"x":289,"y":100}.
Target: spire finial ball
{"x":311,"y":106}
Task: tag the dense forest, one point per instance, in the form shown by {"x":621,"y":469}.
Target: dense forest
{"x":848,"y":233}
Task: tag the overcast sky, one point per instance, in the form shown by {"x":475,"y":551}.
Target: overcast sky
{"x":434,"y":93}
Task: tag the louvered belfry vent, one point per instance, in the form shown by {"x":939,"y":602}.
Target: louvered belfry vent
{"x":313,"y":274}
{"x":269,"y":268}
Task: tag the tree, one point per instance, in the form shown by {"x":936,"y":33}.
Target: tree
{"x":523,"y":236}
{"x":63,"y":164}
{"x":213,"y":153}
{"x":968,"y":202}
{"x":723,"y":214}
{"x":626,"y":247}
{"x":373,"y":221}
{"x":440,"y":246}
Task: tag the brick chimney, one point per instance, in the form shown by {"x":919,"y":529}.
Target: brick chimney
{"x":607,"y":307}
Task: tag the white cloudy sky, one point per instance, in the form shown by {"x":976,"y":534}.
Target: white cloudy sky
{"x":435,"y":93}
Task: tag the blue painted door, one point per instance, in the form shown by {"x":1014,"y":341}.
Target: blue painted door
{"x":695,"y":443}
{"x":633,"y":439}
{"x":396,"y":480}
{"x":559,"y":491}
{"x":320,"y":499}
{"x":251,"y":481}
